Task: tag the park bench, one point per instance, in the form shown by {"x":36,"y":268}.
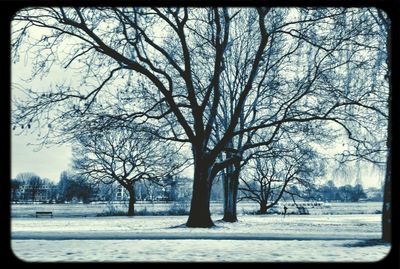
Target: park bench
{"x":44,"y":213}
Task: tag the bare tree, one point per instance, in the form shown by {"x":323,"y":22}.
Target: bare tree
{"x":267,"y":178}
{"x":33,"y":185}
{"x":303,"y":76}
{"x":15,"y":189}
{"x":385,"y":34}
{"x":125,"y":157}
{"x":164,"y":55}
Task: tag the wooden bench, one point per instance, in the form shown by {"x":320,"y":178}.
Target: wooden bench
{"x":44,"y":213}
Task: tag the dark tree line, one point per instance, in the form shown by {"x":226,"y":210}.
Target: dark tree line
{"x":346,"y":193}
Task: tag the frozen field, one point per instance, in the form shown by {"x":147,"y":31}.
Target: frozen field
{"x":265,"y":238}
{"x":92,"y":210}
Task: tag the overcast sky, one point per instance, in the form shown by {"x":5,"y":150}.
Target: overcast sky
{"x":46,"y":163}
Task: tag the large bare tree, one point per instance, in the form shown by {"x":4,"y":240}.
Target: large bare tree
{"x":175,"y":59}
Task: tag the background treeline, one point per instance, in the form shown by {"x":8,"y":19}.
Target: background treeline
{"x":29,"y":187}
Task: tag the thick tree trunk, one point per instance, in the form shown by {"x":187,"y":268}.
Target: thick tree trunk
{"x":263,"y":207}
{"x":199,"y":215}
{"x":131,"y":206}
{"x":231,"y":184}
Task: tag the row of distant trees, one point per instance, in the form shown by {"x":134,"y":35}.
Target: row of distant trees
{"x":347,"y":193}
{"x":29,"y":187}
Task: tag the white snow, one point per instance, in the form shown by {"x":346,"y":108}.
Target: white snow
{"x":195,"y":250}
{"x":125,"y":238}
{"x":293,"y":224}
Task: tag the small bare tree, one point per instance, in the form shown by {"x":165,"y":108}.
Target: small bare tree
{"x":125,"y":157}
{"x":274,"y":173}
{"x":33,"y":184}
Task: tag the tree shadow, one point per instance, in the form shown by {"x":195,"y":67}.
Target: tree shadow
{"x":367,"y":243}
{"x":183,"y":225}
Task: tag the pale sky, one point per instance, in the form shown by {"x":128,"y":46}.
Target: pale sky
{"x":46,"y":163}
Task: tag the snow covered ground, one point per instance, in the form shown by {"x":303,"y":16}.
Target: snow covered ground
{"x":163,"y":238}
{"x":196,"y":250}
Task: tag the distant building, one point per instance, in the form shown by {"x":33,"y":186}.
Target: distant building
{"x":45,"y":193}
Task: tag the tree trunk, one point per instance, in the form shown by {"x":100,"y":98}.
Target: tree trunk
{"x":387,"y":195}
{"x":263,"y":207}
{"x":131,"y":206}
{"x":386,"y":211}
{"x":387,"y":192}
{"x":231,"y":184}
{"x":199,"y":215}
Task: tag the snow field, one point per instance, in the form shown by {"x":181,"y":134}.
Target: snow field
{"x":195,"y":251}
{"x":116,"y":248}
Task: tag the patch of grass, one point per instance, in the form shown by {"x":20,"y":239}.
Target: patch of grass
{"x":112,"y":213}
{"x":176,"y":209}
{"x":257,"y":212}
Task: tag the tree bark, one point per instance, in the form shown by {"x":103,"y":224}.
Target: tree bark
{"x":131,"y":206}
{"x":387,"y":211}
{"x":263,"y":207}
{"x":199,"y":215}
{"x":231,"y":184}
{"x":387,"y":195}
